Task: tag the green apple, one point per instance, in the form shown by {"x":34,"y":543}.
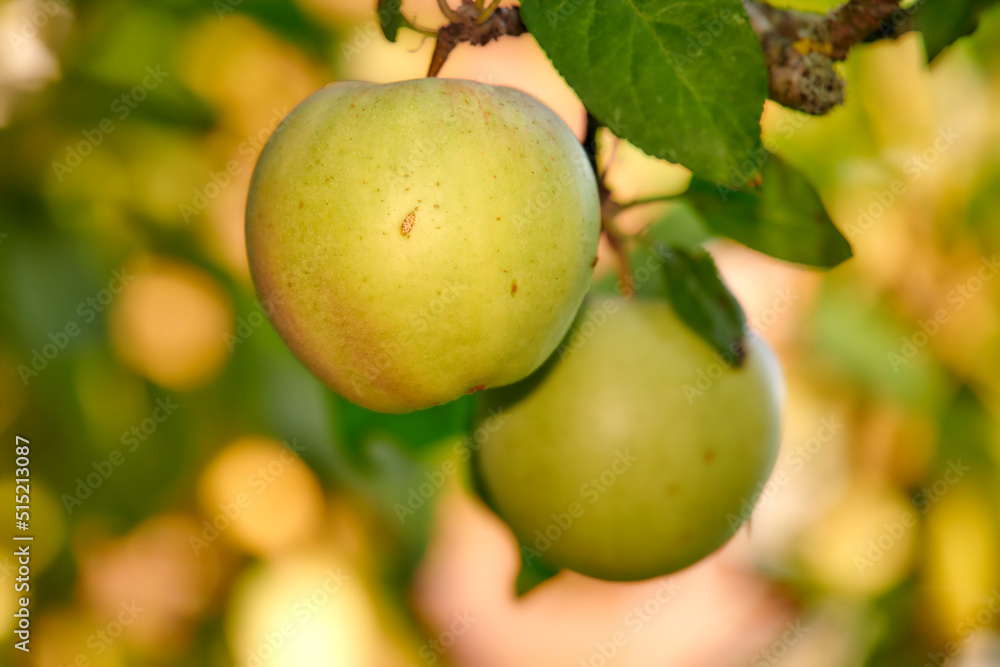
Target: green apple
{"x":637,"y":450}
{"x":416,"y":241}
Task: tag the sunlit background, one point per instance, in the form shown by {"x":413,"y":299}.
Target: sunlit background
{"x":197,"y":496}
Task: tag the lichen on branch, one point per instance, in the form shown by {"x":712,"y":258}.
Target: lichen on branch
{"x":801,"y":48}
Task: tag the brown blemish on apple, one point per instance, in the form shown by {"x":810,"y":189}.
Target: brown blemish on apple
{"x":513,"y":287}
{"x":486,"y":113}
{"x":594,"y":263}
{"x":478,"y":387}
{"x":407,"y":225}
{"x":709,"y":456}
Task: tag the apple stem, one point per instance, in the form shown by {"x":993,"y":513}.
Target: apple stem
{"x":609,"y":209}
{"x":447,"y":40}
{"x":478,"y":27}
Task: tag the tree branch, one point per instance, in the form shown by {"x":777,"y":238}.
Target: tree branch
{"x":470,"y":23}
{"x":609,"y":208}
{"x":800,"y":48}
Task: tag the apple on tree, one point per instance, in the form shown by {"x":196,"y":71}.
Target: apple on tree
{"x":421,"y":240}
{"x":606,"y":466}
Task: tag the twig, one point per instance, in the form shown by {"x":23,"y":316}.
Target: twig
{"x":800,"y":48}
{"x":609,"y":208}
{"x":478,"y":26}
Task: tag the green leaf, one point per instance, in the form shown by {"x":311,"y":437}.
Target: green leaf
{"x":944,"y":21}
{"x":392,"y":475}
{"x":286,"y":18}
{"x":966,"y":433}
{"x":861,"y":342}
{"x":390,"y":17}
{"x":684,"y":81}
{"x":783,"y":218}
{"x":702,"y":300}
{"x":415,"y":430}
{"x":387,"y":462}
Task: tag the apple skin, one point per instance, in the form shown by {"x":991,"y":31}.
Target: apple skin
{"x":417,"y":241}
{"x":601,"y":464}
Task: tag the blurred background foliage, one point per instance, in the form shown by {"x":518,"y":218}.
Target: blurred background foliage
{"x":199,"y":499}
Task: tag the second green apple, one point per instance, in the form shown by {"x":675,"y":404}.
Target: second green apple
{"x":613,"y":460}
